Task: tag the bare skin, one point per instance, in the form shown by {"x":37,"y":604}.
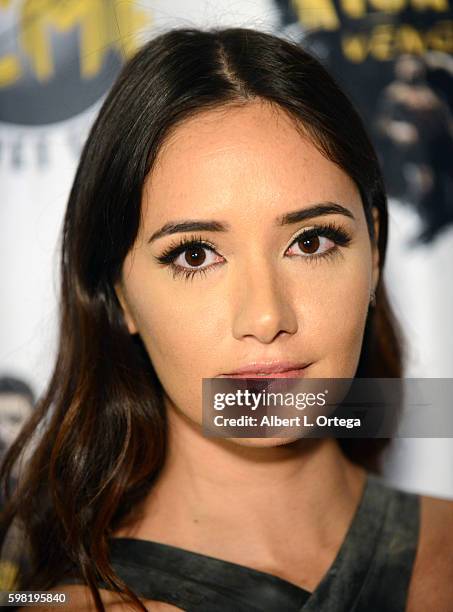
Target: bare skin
{"x":277,"y":505}
{"x":431,"y":586}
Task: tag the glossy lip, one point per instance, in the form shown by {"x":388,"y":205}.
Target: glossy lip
{"x":280,"y":369}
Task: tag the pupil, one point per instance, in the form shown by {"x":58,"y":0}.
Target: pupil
{"x":195,"y":256}
{"x":311,"y":245}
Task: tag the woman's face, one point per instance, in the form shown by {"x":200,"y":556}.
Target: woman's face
{"x":255,"y":292}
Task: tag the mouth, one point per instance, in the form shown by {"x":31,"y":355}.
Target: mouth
{"x":266,"y":371}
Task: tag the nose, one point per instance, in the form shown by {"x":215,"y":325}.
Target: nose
{"x":262,"y":307}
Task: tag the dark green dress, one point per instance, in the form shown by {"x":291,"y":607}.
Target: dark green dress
{"x":371,"y":571}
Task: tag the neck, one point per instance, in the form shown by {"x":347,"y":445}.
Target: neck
{"x":233,"y":501}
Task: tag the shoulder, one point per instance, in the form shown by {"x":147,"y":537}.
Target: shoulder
{"x":431,"y":585}
{"x":80,"y":599}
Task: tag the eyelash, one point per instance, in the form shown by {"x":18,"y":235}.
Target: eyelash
{"x":329,"y":230}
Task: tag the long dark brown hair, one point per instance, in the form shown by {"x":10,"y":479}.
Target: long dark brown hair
{"x":97,"y":439}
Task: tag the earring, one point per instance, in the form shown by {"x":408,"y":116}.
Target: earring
{"x":373,"y":298}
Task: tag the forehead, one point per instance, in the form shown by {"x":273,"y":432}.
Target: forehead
{"x":241,"y":162}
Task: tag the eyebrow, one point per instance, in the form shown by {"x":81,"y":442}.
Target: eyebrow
{"x":322,"y":208}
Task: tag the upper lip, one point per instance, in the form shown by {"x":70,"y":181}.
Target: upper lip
{"x":269,"y":367}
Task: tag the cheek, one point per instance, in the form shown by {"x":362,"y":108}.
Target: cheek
{"x":179,"y":326}
{"x":337,"y":320}
{"x":179,"y":333}
{"x":176,"y":341}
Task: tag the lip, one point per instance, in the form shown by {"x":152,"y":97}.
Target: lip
{"x":279,"y":369}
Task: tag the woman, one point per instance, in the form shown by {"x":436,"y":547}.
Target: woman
{"x":228,"y":214}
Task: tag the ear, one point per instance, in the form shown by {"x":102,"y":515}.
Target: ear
{"x":131,"y":325}
{"x":375,"y":249}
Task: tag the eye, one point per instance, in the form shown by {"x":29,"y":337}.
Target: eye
{"x":190,"y":256}
{"x":311,"y":245}
{"x":196,"y":256}
{"x":320,"y":241}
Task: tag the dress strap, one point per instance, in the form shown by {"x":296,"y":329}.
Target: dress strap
{"x":372,"y":570}
{"x":387,"y":582}
{"x":200,"y":583}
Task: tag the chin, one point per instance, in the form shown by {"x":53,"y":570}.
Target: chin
{"x":262,"y":442}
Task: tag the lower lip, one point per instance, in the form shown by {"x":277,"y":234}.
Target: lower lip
{"x":289,"y":374}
